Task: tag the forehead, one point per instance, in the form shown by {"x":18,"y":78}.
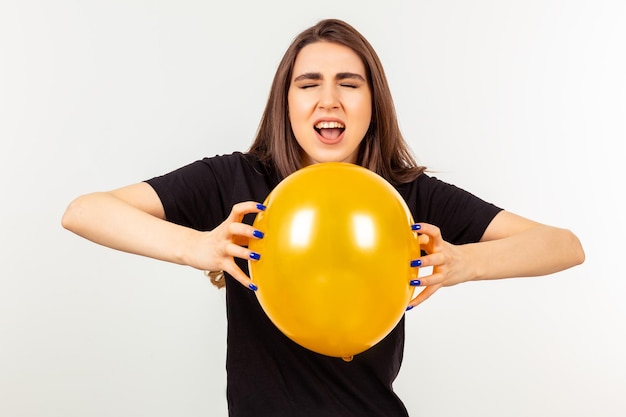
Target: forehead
{"x":328,"y":57}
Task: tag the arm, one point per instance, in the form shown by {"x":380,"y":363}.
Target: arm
{"x":511,"y":246}
{"x":132,"y":219}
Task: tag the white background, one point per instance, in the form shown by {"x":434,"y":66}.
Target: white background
{"x":522,"y":102}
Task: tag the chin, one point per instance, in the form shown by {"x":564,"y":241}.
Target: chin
{"x":316,"y":159}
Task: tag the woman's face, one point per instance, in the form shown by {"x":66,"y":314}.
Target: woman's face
{"x":330,"y":103}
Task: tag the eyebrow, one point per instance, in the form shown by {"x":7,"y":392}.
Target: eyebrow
{"x":339,"y":76}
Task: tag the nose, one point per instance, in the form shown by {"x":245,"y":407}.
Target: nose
{"x":329,"y":98}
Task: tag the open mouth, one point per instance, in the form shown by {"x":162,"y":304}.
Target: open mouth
{"x":330,"y":132}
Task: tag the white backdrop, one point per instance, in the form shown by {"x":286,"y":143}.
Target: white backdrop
{"x":522,"y":102}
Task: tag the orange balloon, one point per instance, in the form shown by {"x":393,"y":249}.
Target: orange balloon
{"x":335,"y":260}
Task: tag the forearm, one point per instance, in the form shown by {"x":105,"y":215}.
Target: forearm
{"x":110,"y":221}
{"x":540,"y":250}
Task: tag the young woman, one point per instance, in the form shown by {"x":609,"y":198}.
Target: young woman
{"x":329,"y":101}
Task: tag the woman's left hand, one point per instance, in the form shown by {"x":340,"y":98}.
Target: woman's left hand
{"x":448,"y":262}
{"x":502,"y":252}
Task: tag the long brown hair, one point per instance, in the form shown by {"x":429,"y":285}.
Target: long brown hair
{"x":383,"y":149}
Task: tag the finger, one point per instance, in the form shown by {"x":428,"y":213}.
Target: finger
{"x":241,"y":209}
{"x":242,"y":229}
{"x":423,"y":296}
{"x":428,"y":280}
{"x":239,"y":275}
{"x":433,"y":259}
{"x":428,"y":229}
{"x":237,"y":251}
{"x":245,"y":231}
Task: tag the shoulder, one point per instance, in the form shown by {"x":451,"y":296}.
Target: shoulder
{"x":242,"y":176}
{"x":221,"y":169}
{"x":202,"y":193}
{"x":239,"y":162}
{"x":426,"y":184}
{"x":461,"y":215}
{"x":242,"y":169}
{"x":231,"y":161}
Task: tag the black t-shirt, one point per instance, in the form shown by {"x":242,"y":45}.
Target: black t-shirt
{"x":268,"y":374}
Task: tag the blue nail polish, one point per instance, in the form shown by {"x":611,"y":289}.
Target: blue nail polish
{"x":261,"y":207}
{"x":409,"y":308}
{"x":253,"y":287}
{"x":415,"y":282}
{"x":415,"y":227}
{"x":258,"y":234}
{"x":416,"y":263}
{"x":255,"y":256}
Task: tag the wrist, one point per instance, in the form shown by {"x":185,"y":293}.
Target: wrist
{"x":186,"y":249}
{"x":476,"y":269}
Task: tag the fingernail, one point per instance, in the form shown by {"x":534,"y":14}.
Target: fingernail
{"x":409,"y":308}
{"x":253,"y":287}
{"x":255,"y":256}
{"x":415,"y":263}
{"x":415,"y":282}
{"x":258,"y":234}
{"x":261,"y":207}
{"x":415,"y":227}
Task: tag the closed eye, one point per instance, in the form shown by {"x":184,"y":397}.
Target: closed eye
{"x":350,"y":79}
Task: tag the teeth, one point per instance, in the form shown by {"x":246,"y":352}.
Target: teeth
{"x":329,"y":125}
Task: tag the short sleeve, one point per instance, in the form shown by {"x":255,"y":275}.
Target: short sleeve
{"x":461,"y":216}
{"x":201,"y":195}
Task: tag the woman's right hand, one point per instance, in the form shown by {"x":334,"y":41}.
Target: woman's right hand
{"x":218,"y":248}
